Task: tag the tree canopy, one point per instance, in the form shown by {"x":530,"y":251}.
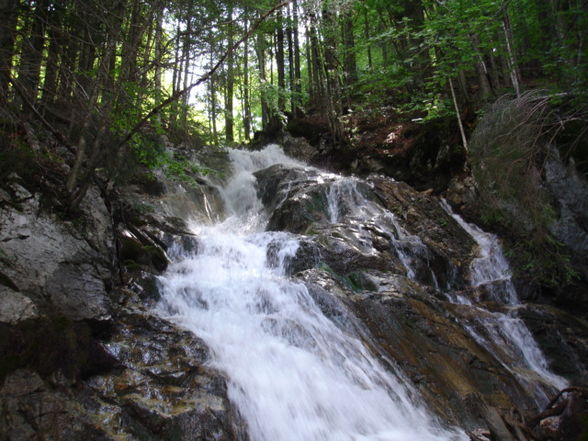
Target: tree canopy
{"x":109,"y":78}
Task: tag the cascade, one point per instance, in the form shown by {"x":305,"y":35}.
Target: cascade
{"x":293,"y":374}
{"x":347,"y":204}
{"x":503,"y":333}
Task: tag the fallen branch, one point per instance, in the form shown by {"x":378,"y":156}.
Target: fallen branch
{"x":551,"y":409}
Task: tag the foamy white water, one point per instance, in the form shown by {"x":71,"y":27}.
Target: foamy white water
{"x":293,"y":374}
{"x":505,"y":333}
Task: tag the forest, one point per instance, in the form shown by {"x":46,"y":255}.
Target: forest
{"x":294,"y":220}
{"x":106,"y":78}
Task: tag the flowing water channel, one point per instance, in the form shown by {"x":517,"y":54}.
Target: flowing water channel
{"x":502,"y":332}
{"x":294,"y":375}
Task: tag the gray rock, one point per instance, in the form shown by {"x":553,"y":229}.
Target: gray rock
{"x":570,"y":191}
{"x":15,"y":307}
{"x":51,"y":262}
{"x":33,"y":410}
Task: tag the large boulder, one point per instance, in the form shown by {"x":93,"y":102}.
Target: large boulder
{"x":156,"y":388}
{"x":54,"y":263}
{"x":414,"y":328}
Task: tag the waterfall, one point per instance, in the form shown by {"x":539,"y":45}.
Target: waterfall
{"x":293,"y":374}
{"x":505,"y":334}
{"x":346,"y":203}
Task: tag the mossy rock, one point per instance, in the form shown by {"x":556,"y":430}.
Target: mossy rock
{"x":135,"y":255}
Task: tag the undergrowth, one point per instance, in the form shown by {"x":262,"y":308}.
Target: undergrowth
{"x":509,"y":149}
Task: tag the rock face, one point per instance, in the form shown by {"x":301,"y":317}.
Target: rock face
{"x":52,"y":263}
{"x":82,"y":357}
{"x":570,"y":192}
{"x":361,"y":262}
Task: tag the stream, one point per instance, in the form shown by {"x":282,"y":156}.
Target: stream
{"x":293,"y":373}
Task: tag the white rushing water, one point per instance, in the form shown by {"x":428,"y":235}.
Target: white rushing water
{"x":293,"y":374}
{"x":504,"y":333}
{"x":347,"y":204}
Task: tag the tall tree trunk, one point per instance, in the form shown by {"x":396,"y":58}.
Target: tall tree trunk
{"x":512,"y":63}
{"x":481,"y":69}
{"x":212,"y":90}
{"x":350,"y":62}
{"x":366,"y":34}
{"x":186,"y":57}
{"x":246,"y":85}
{"x":9,"y":12}
{"x":318,"y":70}
{"x":230,"y":80}
{"x":310,"y":66}
{"x":132,"y":40}
{"x":280,"y":61}
{"x":54,"y":35}
{"x":297,"y":92}
{"x":464,"y":140}
{"x":332,"y":98}
{"x":291,"y":75}
{"x":159,"y":49}
{"x":32,"y":53}
{"x":260,"y":51}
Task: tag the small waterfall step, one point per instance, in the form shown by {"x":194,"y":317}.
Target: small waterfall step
{"x":503,"y":333}
{"x":294,"y":375}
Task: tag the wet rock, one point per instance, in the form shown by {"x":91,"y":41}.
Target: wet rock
{"x":298,"y":148}
{"x":563,"y":337}
{"x":135,"y":252}
{"x":418,"y":330}
{"x":295,"y":197}
{"x":54,"y":345}
{"x":461,"y":191}
{"x":34,"y":410}
{"x":570,"y":193}
{"x":420,"y":214}
{"x":146,"y":287}
{"x":348,"y":248}
{"x":564,"y":419}
{"x":164,"y":391}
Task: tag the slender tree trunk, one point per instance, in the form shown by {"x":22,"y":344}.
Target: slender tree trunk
{"x":350,"y":62}
{"x":260,"y":50}
{"x":482,"y":69}
{"x":280,"y":62}
{"x":458,"y":115}
{"x":32,"y":54}
{"x":230,"y":81}
{"x":246,"y":85}
{"x":512,"y":63}
{"x":310,"y":66}
{"x":297,"y":65}
{"x":291,"y":75}
{"x":158,"y":49}
{"x":366,"y":34}
{"x":212,"y":88}
{"x":318,"y":90}
{"x":53,"y":55}
{"x":9,"y":12}
{"x":186,"y":57}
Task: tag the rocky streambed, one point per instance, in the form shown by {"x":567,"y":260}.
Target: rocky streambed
{"x":95,"y":346}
